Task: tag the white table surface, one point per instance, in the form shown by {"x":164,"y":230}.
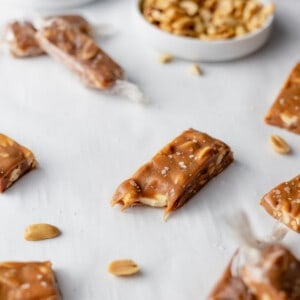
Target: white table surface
{"x":87,"y":142}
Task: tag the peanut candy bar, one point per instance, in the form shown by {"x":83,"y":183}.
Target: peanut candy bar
{"x":28,"y":281}
{"x":80,"y":54}
{"x":275,"y":276}
{"x":230,"y":287}
{"x":283,"y":203}
{"x":285,"y":112}
{"x":175,"y":173}
{"x":20,"y":35}
{"x":15,"y":161}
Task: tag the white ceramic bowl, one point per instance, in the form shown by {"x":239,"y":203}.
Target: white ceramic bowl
{"x":47,"y":4}
{"x":200,"y":50}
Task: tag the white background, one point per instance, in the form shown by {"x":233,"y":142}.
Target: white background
{"x":87,"y":142}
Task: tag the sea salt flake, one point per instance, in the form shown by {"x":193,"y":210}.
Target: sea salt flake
{"x":182,"y":165}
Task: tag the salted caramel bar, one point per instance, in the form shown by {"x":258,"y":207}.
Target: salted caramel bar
{"x":230,"y":287}
{"x":15,"y":161}
{"x":285,"y":112}
{"x":20,"y":35}
{"x":79,"y":52}
{"x":175,"y":173}
{"x":28,"y":281}
{"x":275,"y":276}
{"x":283,"y":203}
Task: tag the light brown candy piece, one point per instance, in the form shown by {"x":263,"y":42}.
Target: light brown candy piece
{"x":176,"y":173}
{"x":79,"y":53}
{"x":28,"y":281}
{"x":285,"y":112}
{"x":231,"y":287}
{"x":283,"y":203}
{"x":275,"y":276}
{"x":15,"y":161}
{"x":20,"y":35}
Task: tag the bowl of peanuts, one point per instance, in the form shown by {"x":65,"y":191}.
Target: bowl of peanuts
{"x":205,"y":30}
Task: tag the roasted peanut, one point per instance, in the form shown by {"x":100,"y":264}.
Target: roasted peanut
{"x":207,"y":19}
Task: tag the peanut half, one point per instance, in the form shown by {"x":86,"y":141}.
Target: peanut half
{"x":165,"y":58}
{"x":123,"y":267}
{"x":279,"y":144}
{"x":37,"y":232}
{"x":195,"y":69}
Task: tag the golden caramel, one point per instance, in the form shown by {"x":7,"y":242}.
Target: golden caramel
{"x":15,"y":161}
{"x":283,"y":203}
{"x":28,"y":281}
{"x":285,"y":112}
{"x":175,"y":173}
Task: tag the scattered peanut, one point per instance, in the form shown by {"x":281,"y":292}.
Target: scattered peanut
{"x":124,"y":267}
{"x":37,"y":232}
{"x":194,"y":69}
{"x":207,"y":19}
{"x":165,"y":58}
{"x":279,"y":144}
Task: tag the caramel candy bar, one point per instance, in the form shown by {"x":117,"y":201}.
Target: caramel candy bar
{"x":76,"y":21}
{"x":15,"y":161}
{"x":20,"y":37}
{"x":283,"y":203}
{"x":230,"y":287}
{"x":285,"y":112}
{"x":80,"y":54}
{"x":175,"y":173}
{"x":275,"y":276}
{"x":28,"y":281}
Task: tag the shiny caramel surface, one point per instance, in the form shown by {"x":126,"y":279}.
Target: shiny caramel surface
{"x":176,"y":172}
{"x":283,"y":203}
{"x":27,"y":281}
{"x":15,"y":160}
{"x":285,"y":112}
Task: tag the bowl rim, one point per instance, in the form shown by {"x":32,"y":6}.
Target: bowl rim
{"x":242,"y":38}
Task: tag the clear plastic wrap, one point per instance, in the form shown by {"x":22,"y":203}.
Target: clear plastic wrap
{"x":81,"y":55}
{"x":260,"y":269}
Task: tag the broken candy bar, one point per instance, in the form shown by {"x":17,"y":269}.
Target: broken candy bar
{"x":175,"y":173}
{"x":283,"y":203}
{"x":28,"y":281}
{"x":15,"y":161}
{"x":285,"y":112}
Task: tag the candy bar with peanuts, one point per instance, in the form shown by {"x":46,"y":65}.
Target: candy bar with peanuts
{"x":283,"y":203}
{"x":28,"y":281}
{"x":20,"y":35}
{"x":15,"y":161}
{"x":176,"y":173}
{"x":285,"y":112}
{"x":82,"y":56}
